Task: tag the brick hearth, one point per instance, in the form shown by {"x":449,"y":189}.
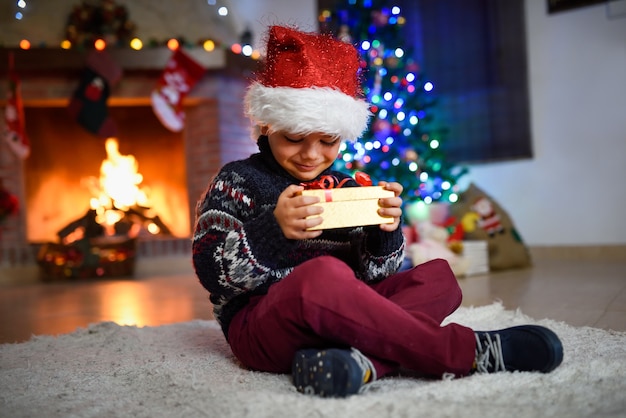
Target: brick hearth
{"x":216,"y":131}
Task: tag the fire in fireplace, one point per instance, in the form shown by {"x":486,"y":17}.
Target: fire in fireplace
{"x":121,"y":204}
{"x":135,"y":184}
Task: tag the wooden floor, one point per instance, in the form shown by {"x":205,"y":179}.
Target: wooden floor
{"x":581,"y":293}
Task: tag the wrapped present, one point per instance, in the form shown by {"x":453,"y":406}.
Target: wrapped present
{"x":350,"y":206}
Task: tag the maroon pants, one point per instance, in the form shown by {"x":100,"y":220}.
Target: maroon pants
{"x":395,"y":323}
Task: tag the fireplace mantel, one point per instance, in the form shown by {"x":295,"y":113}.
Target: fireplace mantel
{"x":44,"y":61}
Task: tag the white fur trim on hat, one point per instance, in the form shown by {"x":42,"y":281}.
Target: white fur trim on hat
{"x":303,"y":111}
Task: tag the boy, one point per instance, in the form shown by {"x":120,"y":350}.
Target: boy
{"x":329,"y":306}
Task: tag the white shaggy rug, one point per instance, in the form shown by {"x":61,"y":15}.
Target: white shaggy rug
{"x":187,"y":370}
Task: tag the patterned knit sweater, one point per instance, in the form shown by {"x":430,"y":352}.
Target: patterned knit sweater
{"x":239,"y":249}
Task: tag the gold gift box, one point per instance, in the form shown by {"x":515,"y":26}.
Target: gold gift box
{"x":350,"y":206}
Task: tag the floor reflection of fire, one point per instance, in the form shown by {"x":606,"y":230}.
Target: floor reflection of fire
{"x":102,"y":242}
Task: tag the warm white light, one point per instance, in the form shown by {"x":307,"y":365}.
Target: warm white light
{"x":222,"y":11}
{"x":246,"y":50}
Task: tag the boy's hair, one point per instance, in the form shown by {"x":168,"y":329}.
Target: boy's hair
{"x":309,"y":84}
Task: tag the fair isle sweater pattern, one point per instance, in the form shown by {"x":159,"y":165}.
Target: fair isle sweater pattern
{"x":239,"y":249}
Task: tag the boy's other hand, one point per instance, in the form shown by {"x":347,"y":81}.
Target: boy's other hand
{"x":391,"y":206}
{"x":291,"y":212}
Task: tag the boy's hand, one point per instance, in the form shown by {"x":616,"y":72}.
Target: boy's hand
{"x":391,"y":206}
{"x":291,"y":212}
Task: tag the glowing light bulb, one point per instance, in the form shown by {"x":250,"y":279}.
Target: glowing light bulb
{"x":236,"y":48}
{"x":173,"y":44}
{"x":24,"y":44}
{"x":136,"y":44}
{"x":208,"y":45}
{"x":99,"y":44}
{"x":428,"y":86}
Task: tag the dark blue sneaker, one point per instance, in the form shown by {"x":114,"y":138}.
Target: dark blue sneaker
{"x":331,"y":372}
{"x":526,"y":348}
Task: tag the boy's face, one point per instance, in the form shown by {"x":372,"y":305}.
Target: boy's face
{"x":304,"y":156}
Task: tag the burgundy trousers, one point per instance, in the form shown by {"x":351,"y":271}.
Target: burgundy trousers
{"x":396,"y":323}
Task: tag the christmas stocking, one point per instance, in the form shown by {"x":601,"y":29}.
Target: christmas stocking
{"x":180,"y":75}
{"x":14,"y":131}
{"x":89,"y":103}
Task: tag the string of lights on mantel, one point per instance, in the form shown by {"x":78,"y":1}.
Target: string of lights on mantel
{"x":78,"y":38}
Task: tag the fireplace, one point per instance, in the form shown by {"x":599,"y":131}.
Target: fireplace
{"x":52,"y":183}
{"x":60,"y":174}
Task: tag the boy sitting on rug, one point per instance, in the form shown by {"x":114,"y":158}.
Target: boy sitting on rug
{"x":329,"y":306}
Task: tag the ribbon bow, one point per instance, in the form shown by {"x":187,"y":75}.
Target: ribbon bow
{"x":331,"y":182}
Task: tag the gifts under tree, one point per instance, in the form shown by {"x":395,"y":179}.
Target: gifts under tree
{"x":401,"y":144}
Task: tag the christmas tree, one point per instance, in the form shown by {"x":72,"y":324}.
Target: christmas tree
{"x":403,"y":142}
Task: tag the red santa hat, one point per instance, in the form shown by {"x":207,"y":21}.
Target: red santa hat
{"x":309,"y":84}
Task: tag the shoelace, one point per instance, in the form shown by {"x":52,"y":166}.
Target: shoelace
{"x":365,"y":364}
{"x":489,"y":354}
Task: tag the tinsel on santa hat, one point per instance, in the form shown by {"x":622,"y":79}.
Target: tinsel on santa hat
{"x":180,"y":75}
{"x":89,"y":102}
{"x":14,"y":131}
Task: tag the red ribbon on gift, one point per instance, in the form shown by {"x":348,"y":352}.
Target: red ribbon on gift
{"x":329,"y":182}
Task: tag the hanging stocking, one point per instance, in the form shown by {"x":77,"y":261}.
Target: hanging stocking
{"x":14,"y":130}
{"x":180,"y":75}
{"x":89,"y":103}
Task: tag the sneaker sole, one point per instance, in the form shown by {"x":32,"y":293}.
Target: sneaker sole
{"x":326,"y":373}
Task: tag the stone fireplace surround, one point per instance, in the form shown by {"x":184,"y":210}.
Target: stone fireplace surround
{"x":215,"y":131}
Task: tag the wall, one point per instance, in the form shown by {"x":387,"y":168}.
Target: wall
{"x":571,"y":192}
